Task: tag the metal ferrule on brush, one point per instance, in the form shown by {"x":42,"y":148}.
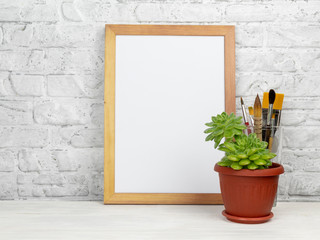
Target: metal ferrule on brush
{"x":270,"y":110}
{"x":245,"y":119}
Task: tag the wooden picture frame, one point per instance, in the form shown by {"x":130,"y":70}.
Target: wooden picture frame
{"x":110,"y":196}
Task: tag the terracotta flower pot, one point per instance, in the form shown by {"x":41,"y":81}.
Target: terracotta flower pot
{"x":248,"y":195}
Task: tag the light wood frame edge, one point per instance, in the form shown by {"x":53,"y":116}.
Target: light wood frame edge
{"x":110,"y":197}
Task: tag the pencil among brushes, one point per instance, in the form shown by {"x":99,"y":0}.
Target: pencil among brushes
{"x":257,"y":112}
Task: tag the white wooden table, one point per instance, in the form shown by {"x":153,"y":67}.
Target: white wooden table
{"x":93,"y":220}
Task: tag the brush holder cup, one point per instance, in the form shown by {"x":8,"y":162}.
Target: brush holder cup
{"x":274,"y":138}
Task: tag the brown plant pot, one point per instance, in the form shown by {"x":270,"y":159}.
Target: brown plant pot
{"x":248,"y":195}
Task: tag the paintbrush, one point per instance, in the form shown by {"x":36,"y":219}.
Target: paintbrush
{"x":245,"y":116}
{"x":272,"y":131}
{"x":277,"y":108}
{"x":265,"y":106}
{"x":257,"y":117}
{"x":251,"y":115}
{"x":272,"y":97}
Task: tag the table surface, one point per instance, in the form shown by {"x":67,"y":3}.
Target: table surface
{"x":93,"y":220}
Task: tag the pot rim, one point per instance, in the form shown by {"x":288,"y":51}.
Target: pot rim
{"x":275,"y":170}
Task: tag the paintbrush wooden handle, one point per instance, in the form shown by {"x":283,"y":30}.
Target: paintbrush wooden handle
{"x":258,"y":127}
{"x":270,"y":143}
{"x":267,"y":134}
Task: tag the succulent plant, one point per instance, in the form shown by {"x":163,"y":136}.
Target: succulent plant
{"x":224,"y":126}
{"x":241,"y":151}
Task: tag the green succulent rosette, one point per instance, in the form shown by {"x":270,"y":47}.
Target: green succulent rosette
{"x":241,"y":151}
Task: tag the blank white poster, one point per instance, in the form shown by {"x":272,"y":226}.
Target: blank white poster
{"x":167,"y":88}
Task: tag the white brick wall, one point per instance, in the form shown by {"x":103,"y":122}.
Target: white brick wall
{"x":51,"y":85}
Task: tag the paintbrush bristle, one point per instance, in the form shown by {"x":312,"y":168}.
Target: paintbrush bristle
{"x":257,"y":107}
{"x":250,"y":110}
{"x":241,"y":101}
{"x":278,"y":102}
{"x":272,"y":96}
